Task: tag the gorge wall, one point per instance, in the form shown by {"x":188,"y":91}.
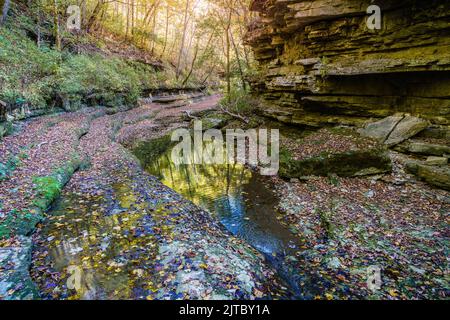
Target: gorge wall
{"x":320,"y":64}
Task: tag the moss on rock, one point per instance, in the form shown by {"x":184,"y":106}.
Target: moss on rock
{"x":346,"y":164}
{"x":46,"y":189}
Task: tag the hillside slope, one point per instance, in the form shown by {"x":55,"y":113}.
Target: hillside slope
{"x":90,"y":69}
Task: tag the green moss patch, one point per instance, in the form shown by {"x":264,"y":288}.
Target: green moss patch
{"x":46,"y":189}
{"x":347,"y":164}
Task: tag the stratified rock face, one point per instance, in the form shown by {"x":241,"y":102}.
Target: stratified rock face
{"x":321,"y":64}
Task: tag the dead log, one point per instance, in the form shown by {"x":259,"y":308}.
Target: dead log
{"x":235,"y":115}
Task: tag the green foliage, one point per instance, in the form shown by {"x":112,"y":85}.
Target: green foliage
{"x":106,"y":81}
{"x":25,"y":70}
{"x":239,"y":101}
{"x":168,"y":79}
{"x":333,"y":179}
{"x":286,"y":160}
{"x":145,"y":75}
{"x":41,"y":77}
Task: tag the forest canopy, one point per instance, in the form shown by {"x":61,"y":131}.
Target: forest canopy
{"x":149,"y":44}
{"x":199,"y":38}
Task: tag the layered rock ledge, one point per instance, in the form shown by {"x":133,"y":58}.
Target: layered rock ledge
{"x":320,"y":64}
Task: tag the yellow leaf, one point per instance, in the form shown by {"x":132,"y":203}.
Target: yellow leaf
{"x":393,"y":293}
{"x":258,"y":293}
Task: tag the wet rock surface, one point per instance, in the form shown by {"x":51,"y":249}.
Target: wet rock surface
{"x":15,"y":280}
{"x":118,"y":233}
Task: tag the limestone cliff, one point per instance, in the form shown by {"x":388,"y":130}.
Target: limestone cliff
{"x":321,"y":64}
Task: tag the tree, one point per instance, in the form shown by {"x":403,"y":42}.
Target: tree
{"x":225,"y":14}
{"x":236,"y":51}
{"x":4,"y":6}
{"x":95,"y":14}
{"x":192,"y":64}
{"x":183,"y":39}
{"x":227,"y":30}
{"x":56,"y":29}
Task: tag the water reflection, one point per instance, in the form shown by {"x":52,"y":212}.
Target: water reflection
{"x":236,"y":195}
{"x":97,"y":255}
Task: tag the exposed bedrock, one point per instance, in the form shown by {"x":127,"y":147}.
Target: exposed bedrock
{"x":320,"y":64}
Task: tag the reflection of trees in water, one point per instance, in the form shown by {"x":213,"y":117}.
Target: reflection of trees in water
{"x":201,"y":184}
{"x":88,"y":242}
{"x":244,"y":205}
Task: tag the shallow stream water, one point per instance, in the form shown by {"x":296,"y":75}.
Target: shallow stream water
{"x":96,"y":234}
{"x":241,"y":199}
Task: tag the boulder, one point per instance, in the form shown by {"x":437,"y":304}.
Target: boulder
{"x":347,"y":164}
{"x":381,"y":130}
{"x":423,"y":148}
{"x":438,"y":176}
{"x":5,"y":129}
{"x":394,"y":129}
{"x":405,"y":129}
{"x":436,"y":161}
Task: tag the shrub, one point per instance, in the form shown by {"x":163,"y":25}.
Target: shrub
{"x":25,"y":70}
{"x":239,"y":101}
{"x":99,"y":80}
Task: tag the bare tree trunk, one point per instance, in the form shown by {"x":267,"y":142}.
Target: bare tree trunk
{"x":241,"y":34}
{"x":83,"y":14}
{"x":132,"y":18}
{"x":183,"y":40}
{"x":172,"y":49}
{"x":228,"y":45}
{"x":167,"y":31}
{"x":127,"y":32}
{"x":56,"y":25}
{"x":102,"y":17}
{"x":38,"y":24}
{"x":192,"y":64}
{"x":236,"y":52}
{"x":4,"y":7}
{"x":154,"y":30}
{"x":94,"y":16}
